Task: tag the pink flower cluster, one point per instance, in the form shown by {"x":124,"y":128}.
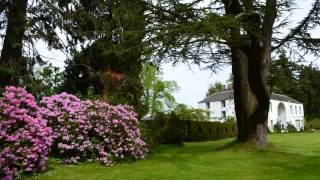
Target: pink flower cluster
{"x":75,"y":130}
{"x":66,"y":114}
{"x":25,"y":138}
{"x":117,"y":132}
{"x":86,"y":130}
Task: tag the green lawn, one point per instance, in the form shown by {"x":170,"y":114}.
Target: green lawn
{"x":291,"y":156}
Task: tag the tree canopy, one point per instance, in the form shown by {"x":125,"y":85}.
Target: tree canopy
{"x":158,"y":94}
{"x":107,"y":42}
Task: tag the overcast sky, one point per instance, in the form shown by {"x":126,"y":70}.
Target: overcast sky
{"x":192,"y":81}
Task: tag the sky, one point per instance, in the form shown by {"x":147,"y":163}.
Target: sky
{"x":192,"y":81}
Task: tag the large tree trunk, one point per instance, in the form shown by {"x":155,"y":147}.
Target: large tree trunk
{"x":252,"y":95}
{"x":251,"y":57}
{"x":11,"y":53}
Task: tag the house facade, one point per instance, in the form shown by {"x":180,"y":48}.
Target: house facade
{"x":282,"y":109}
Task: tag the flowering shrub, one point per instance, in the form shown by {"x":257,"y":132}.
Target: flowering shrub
{"x":24,"y":136}
{"x":116,"y":135}
{"x":88,"y":130}
{"x":67,"y":117}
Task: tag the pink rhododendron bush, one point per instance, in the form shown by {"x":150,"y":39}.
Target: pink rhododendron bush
{"x":86,"y":130}
{"x":25,"y":138}
{"x":75,"y":130}
{"x":116,"y":132}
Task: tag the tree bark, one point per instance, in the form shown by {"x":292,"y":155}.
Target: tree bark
{"x":251,"y":57}
{"x":11,"y":53}
{"x":252,"y":96}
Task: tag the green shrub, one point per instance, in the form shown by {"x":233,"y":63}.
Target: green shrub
{"x":173,"y":132}
{"x":291,"y":128}
{"x":169,"y":129}
{"x":193,"y":114}
{"x":312,"y":125}
{"x":204,"y":131}
{"x":231,"y":119}
{"x":277,"y":128}
{"x":164,"y":129}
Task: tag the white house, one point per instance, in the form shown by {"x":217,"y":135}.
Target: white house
{"x":282,"y":109}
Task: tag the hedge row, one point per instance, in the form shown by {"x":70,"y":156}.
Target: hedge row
{"x":165,"y":130}
{"x":204,"y":131}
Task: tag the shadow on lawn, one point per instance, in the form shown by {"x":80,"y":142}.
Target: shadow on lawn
{"x":212,"y":146}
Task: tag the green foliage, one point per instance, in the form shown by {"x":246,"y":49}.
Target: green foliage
{"x":284,"y":76}
{"x":277,"y":128}
{"x":217,"y":87}
{"x":157,"y":94}
{"x":231,"y":119}
{"x":191,"y":114}
{"x":172,"y":133}
{"x":112,"y":61}
{"x":312,"y":125}
{"x":89,"y":95}
{"x":46,"y":81}
{"x":164,"y":129}
{"x":291,"y":128}
{"x":205,"y":131}
{"x":298,"y":82}
{"x":170,"y":129}
{"x":310,"y":90}
{"x":25,"y":23}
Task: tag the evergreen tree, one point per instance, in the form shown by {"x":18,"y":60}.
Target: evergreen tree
{"x":284,"y":76}
{"x":240,"y":32}
{"x":25,"y":23}
{"x":297,"y":81}
{"x":309,"y":91}
{"x":11,"y":59}
{"x":112,"y":62}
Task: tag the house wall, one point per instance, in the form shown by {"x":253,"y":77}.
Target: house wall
{"x":216,"y":109}
{"x":293,"y":117}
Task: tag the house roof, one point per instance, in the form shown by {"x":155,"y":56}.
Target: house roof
{"x":228,"y":94}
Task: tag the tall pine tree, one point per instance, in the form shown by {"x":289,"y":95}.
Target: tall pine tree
{"x":112,"y":60}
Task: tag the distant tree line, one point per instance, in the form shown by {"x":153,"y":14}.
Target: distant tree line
{"x":298,"y":81}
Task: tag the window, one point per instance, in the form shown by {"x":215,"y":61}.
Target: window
{"x":295,"y":107}
{"x":300,"y":110}
{"x":298,"y":124}
{"x":208,"y":105}
{"x":291,"y":109}
{"x":223,"y":104}
{"x":271,"y":124}
{"x":270,"y":106}
{"x":223,"y":114}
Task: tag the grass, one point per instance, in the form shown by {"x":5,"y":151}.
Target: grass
{"x":291,"y":156}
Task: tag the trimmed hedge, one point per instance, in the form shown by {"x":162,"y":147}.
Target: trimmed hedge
{"x":167,"y":130}
{"x":173,"y":131}
{"x":204,"y":131}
